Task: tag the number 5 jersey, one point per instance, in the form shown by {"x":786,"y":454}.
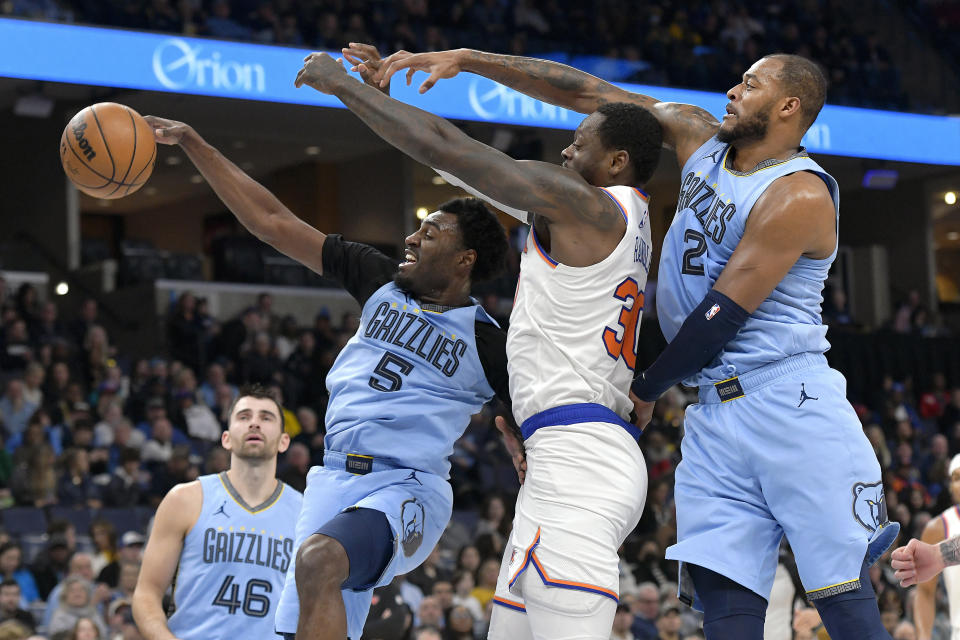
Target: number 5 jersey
{"x":405,"y":385}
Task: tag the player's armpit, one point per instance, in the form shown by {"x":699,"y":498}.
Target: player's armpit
{"x":177,"y":513}
{"x":795,"y":217}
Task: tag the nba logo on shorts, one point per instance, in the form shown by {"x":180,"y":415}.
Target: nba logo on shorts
{"x":714,"y":310}
{"x":869,"y":506}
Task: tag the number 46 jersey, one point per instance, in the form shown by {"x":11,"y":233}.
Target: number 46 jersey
{"x":573,"y":330}
{"x":233,"y":563}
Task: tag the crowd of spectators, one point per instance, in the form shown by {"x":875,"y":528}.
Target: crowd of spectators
{"x":705,"y":44}
{"x":85,"y":427}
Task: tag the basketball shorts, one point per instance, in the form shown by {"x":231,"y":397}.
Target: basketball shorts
{"x":417,"y":506}
{"x":585,"y":488}
{"x":784,"y":453}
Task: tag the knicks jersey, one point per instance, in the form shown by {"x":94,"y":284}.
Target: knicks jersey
{"x":573,"y":330}
{"x":951,"y":575}
{"x":233,"y":563}
{"x":712,"y":210}
{"x":405,"y":385}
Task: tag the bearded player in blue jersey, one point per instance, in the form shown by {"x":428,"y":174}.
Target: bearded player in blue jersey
{"x":425,"y":358}
{"x":773,"y":447}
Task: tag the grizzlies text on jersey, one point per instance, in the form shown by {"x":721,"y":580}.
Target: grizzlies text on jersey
{"x":233,"y":563}
{"x":712,"y":211}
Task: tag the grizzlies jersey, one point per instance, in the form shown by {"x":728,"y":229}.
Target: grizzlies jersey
{"x":573,"y":330}
{"x":712,"y":211}
{"x":951,"y":575}
{"x":405,"y":385}
{"x":233,"y":563}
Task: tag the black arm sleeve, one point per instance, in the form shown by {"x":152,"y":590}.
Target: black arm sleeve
{"x":492,"y":348}
{"x":359,"y":268}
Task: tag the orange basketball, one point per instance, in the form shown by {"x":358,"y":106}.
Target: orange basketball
{"x":107,"y":150}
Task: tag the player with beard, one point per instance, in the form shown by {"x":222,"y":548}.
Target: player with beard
{"x":773,"y":447}
{"x":425,"y":358}
{"x":227,"y":539}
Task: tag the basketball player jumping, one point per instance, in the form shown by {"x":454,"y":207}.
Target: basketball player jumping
{"x":424,"y":359}
{"x":571,"y":346}
{"x":773,"y":447}
{"x":228,"y":538}
{"x":919,"y":562}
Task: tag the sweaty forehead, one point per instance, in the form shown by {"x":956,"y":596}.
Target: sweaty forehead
{"x":444,"y":222}
{"x":765,"y":69}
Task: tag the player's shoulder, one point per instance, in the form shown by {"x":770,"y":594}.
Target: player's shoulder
{"x":186,"y":496}
{"x":936,"y":529}
{"x":802,"y":185}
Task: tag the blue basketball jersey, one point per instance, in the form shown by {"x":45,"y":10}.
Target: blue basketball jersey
{"x":233,"y":563}
{"x":712,"y":211}
{"x":406,"y":384}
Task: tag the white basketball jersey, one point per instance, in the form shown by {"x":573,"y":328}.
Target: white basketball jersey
{"x":951,"y":575}
{"x":573,"y":330}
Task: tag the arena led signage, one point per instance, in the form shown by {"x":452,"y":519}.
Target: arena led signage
{"x":159,"y":62}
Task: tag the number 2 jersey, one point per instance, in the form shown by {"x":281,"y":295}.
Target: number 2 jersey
{"x":573,"y":330}
{"x":233,"y":563}
{"x":712,"y":212}
{"x":405,"y":385}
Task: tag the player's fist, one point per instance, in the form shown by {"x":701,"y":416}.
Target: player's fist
{"x":916,"y":562}
{"x":514,"y":447}
{"x":321,"y":72}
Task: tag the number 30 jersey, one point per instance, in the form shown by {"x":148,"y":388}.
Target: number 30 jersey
{"x":233,"y":563}
{"x":712,"y":211}
{"x":573,"y":331}
{"x":405,"y":385}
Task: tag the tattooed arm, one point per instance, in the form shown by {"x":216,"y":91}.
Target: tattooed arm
{"x":556,"y":193}
{"x":685,"y":126}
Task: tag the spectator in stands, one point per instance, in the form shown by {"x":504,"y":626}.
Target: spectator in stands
{"x":98,"y":354}
{"x":48,"y":326}
{"x":79,"y":327}
{"x":75,"y":602}
{"x":427,"y":633}
{"x":645,"y":612}
{"x":80,"y":567}
{"x":236,"y":336}
{"x":15,"y":349}
{"x":33,"y":378}
{"x":216,"y":376}
{"x":55,"y":390}
{"x":430,"y":613}
{"x":125,"y":487}
{"x":218,"y":461}
{"x":178,"y":469}
{"x":297,"y":464}
{"x":468,"y":559}
{"x":486,"y":581}
{"x":269,"y":321}
{"x":34,"y":481}
{"x":199,"y":421}
{"x":115,"y":618}
{"x":129,"y":553}
{"x":15,"y":409}
{"x":76,"y":487}
{"x":429,"y":572}
{"x":10,"y":604}
{"x":622,"y":620}
{"x":304,"y":371}
{"x":260,"y":365}
{"x":12,"y":569}
{"x":52,"y":563}
{"x":460,"y":624}
{"x":463,"y":585}
{"x":310,"y":436}
{"x":104,"y":536}
{"x":286,"y":337}
{"x":185,"y":334}
{"x":129,"y":573}
{"x":159,"y":447}
{"x":86,"y":629}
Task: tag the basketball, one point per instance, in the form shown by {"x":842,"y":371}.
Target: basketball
{"x":107,"y":150}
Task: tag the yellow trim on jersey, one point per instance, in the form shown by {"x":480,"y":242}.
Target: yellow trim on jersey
{"x":834,"y":585}
{"x":242,"y":506}
{"x":723,"y":165}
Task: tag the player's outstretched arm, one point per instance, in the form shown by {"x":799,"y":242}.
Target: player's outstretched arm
{"x":919,"y":563}
{"x":253,"y":205}
{"x":685,"y":126}
{"x":793,"y":218}
{"x":549,"y":190}
{"x":175,"y":516}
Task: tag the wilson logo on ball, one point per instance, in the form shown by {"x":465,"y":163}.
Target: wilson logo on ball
{"x":82,"y":141}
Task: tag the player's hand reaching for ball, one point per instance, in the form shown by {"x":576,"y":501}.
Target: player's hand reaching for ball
{"x":321,"y":72}
{"x":439,"y":64}
{"x":167,"y":131}
{"x":916,"y":562}
{"x":366,"y":61}
{"x":643,"y":411}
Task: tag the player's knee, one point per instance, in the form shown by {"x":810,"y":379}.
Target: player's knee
{"x":321,"y":559}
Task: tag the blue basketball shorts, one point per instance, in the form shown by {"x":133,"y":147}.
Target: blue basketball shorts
{"x":417,"y":506}
{"x":784,"y":453}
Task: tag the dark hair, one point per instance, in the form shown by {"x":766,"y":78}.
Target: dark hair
{"x":803,"y":78}
{"x":481,"y":231}
{"x":635,"y":130}
{"x":129,"y":454}
{"x":260,"y":393}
